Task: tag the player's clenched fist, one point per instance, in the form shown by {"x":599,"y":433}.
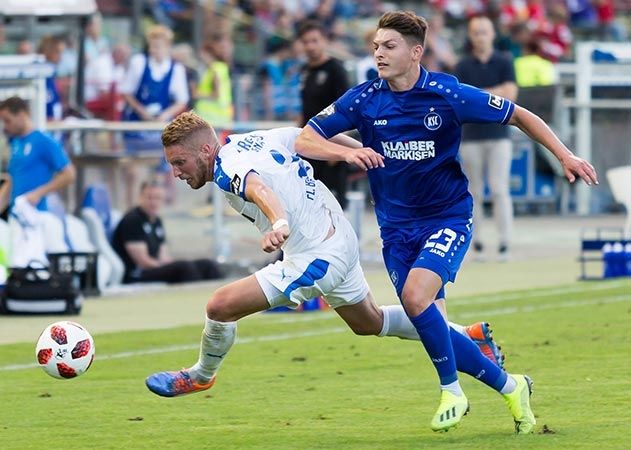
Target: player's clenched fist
{"x":274,"y":240}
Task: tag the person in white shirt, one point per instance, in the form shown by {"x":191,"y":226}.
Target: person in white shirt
{"x":155,"y":89}
{"x":265,"y":181}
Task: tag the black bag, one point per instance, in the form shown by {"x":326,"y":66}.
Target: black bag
{"x":35,"y":290}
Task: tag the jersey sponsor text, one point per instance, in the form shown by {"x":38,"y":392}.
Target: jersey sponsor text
{"x":409,"y":150}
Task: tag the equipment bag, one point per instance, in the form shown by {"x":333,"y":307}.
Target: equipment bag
{"x":35,"y":290}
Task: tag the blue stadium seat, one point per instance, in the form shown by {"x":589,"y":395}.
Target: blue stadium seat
{"x":97,"y":197}
{"x":57,"y":208}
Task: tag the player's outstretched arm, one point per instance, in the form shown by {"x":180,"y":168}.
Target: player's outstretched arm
{"x":265,"y":198}
{"x":310,"y":144}
{"x":539,"y":131}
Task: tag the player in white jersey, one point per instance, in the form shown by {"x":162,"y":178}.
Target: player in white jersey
{"x":266,"y":182}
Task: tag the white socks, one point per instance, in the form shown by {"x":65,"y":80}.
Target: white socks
{"x":454,"y":388}
{"x":217,"y":338}
{"x":509,"y":386}
{"x":396,"y":323}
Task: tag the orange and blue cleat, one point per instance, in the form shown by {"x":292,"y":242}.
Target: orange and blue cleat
{"x":174,"y":384}
{"x":482,"y":335}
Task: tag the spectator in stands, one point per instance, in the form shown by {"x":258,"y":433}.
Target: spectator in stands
{"x":271,"y":77}
{"x":155,"y":86}
{"x":52,"y":47}
{"x":324,"y":14}
{"x":292,"y":69}
{"x":183,"y":53}
{"x":154,"y":89}
{"x":439,"y":40}
{"x":324,"y":81}
{"x":38,"y":164}
{"x":121,"y":54}
{"x":214,"y":93}
{"x":24,"y":47}
{"x":140,"y":241}
{"x":365,"y":67}
{"x":95,"y":43}
{"x":533,"y":70}
{"x":555,"y":36}
{"x":487,"y":148}
{"x":608,"y":28}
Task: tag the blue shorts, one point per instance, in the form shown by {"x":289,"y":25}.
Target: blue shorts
{"x":440,"y":248}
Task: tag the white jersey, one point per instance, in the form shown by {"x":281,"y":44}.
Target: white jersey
{"x":271,"y":155}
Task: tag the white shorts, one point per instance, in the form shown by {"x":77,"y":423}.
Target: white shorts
{"x":330,"y":269}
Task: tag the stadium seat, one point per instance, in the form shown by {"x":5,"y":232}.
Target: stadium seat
{"x":619,"y":179}
{"x":75,"y":238}
{"x":5,"y":243}
{"x":97,"y":214}
{"x":53,"y":228}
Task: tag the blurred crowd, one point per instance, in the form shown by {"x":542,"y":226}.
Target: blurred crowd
{"x":248,"y":52}
{"x":245,"y":60}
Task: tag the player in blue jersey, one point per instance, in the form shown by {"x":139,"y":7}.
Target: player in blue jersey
{"x":410,"y":124}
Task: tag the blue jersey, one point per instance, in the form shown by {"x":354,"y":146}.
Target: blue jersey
{"x":35,"y":159}
{"x":418,"y":131}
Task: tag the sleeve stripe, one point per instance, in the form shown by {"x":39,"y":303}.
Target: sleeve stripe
{"x":317,"y":128}
{"x":509,"y":111}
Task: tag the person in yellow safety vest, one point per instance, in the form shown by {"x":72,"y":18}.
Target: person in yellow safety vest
{"x":214,"y":93}
{"x":533,"y":70}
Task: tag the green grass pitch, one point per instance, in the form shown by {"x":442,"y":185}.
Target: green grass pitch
{"x":302,"y":381}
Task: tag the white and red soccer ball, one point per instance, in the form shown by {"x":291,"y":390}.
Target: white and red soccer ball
{"x":65,"y":350}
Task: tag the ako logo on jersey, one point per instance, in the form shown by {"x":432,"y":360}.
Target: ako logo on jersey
{"x":495,"y":101}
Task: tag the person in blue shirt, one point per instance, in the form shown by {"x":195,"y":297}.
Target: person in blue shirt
{"x":410,"y":123}
{"x":52,"y":47}
{"x":38,"y":165}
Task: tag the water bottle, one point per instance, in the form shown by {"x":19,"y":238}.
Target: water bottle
{"x":627,"y":259}
{"x":618,"y":260}
{"x":608,"y":266}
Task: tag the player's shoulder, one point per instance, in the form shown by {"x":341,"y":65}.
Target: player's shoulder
{"x":441,"y":83}
{"x":363,"y":90}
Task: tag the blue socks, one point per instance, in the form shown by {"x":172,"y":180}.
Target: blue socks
{"x":435,"y":336}
{"x":470,"y":360}
{"x":450,"y":350}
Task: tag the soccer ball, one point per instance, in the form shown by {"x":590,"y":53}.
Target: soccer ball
{"x":65,"y":350}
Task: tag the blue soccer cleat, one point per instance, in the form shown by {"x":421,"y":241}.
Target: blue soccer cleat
{"x":482,"y":335}
{"x":174,"y":384}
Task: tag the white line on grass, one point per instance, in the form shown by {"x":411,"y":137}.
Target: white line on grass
{"x":528,"y":308}
{"x":286,"y":336}
{"x":459,"y":301}
{"x":177,"y":348}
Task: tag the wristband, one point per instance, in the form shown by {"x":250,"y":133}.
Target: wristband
{"x":279,"y":224}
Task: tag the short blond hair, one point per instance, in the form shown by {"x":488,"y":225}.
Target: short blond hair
{"x":186,"y":128}
{"x":159,"y":32}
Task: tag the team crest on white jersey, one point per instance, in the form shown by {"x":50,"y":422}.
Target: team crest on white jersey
{"x":432,"y":120}
{"x":235,"y":184}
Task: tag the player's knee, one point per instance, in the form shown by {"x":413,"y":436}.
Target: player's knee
{"x":414,"y":302}
{"x":219,"y":306}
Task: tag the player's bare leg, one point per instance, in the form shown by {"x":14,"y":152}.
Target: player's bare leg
{"x":227,"y":305}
